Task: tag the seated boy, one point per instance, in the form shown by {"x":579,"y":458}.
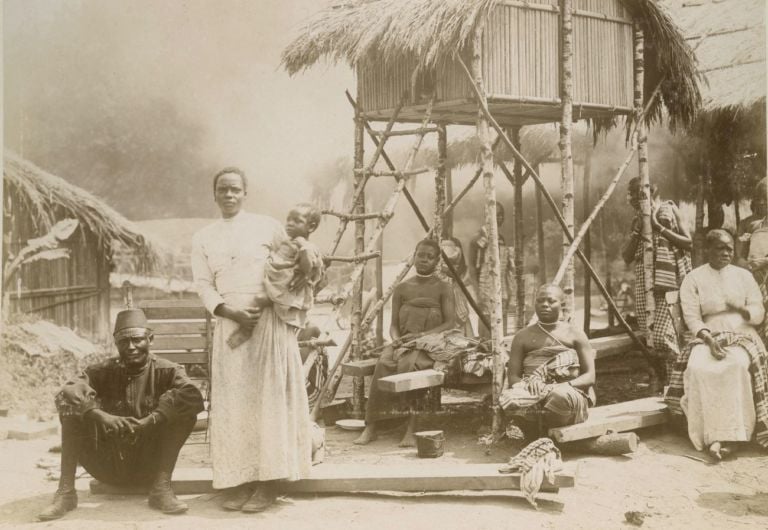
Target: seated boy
{"x":421,"y":305}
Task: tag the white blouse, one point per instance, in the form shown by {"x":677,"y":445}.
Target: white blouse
{"x":706,"y":293}
{"x":228,"y":256}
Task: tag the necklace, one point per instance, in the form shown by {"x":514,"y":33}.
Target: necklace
{"x":547,"y":333}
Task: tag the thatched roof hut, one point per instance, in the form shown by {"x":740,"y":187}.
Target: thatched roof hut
{"x":728,"y":37}
{"x":387,"y":39}
{"x":72,"y":292}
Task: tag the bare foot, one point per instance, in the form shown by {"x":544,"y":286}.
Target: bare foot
{"x":409,"y":440}
{"x":367,"y":436}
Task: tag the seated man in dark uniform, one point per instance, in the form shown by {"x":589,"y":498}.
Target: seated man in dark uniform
{"x":125,"y":420}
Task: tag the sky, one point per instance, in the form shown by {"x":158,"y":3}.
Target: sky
{"x":218,"y":62}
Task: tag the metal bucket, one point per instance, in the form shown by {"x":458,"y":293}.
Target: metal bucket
{"x":429,"y":444}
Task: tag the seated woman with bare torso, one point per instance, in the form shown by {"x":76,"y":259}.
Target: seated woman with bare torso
{"x":551,"y":367}
{"x":422,"y":305}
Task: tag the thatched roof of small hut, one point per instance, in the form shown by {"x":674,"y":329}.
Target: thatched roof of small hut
{"x":49,"y":199}
{"x":728,"y":38}
{"x":432,"y":31}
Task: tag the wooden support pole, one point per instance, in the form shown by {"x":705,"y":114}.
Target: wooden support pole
{"x":586,"y":202}
{"x":540,"y":237}
{"x":492,"y":250}
{"x":380,"y":291}
{"x":357,"y":258}
{"x":438,"y":230}
{"x":352,"y":216}
{"x":566,"y":152}
{"x":519,"y":257}
{"x":645,"y":182}
{"x":448,"y":217}
{"x":358,"y":207}
{"x":395,"y":173}
{"x":584,"y":229}
{"x":406,"y":132}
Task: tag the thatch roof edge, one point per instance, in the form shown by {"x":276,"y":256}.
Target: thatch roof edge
{"x":434,"y":30}
{"x":43,"y":192}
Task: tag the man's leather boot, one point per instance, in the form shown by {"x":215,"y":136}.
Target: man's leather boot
{"x":161,"y":496}
{"x":63,"y":501}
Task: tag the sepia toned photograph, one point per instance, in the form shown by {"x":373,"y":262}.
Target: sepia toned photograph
{"x":378,"y":264}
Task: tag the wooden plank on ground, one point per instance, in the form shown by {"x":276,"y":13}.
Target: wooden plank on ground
{"x":359,"y":368}
{"x":619,"y":417}
{"x":411,"y":381}
{"x":348,"y":478}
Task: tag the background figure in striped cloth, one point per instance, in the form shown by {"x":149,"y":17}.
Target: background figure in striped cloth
{"x":672,"y":244}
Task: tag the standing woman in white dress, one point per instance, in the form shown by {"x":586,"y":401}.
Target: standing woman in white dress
{"x":260,"y":426}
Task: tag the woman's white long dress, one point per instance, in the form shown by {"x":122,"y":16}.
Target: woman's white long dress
{"x":260,"y":426}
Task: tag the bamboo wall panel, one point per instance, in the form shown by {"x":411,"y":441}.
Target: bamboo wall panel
{"x":67,"y":292}
{"x":520,"y":59}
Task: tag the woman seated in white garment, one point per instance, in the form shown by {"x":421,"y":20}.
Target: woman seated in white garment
{"x":721,"y":377}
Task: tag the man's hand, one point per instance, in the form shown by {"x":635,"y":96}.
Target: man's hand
{"x":141,"y":425}
{"x":110,"y":425}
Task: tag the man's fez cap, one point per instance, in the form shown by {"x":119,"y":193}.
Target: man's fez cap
{"x":130,"y":319}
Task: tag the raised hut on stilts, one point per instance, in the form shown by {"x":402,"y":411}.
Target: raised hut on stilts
{"x":499,"y":65}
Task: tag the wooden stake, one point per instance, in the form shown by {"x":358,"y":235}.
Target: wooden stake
{"x":587,"y":240}
{"x":645,"y":182}
{"x":492,"y":250}
{"x":442,"y":164}
{"x":519,"y":257}
{"x":566,"y":153}
{"x":380,"y":291}
{"x":448,"y":217}
{"x":540,"y":237}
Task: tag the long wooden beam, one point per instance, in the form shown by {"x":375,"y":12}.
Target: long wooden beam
{"x":350,"y":478}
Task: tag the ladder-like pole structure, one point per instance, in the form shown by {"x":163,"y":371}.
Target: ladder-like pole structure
{"x":492,"y":250}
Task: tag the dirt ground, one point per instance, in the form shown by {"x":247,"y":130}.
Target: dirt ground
{"x":659,"y":480}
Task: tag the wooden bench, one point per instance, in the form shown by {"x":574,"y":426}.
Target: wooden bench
{"x":183,"y":330}
{"x":604,"y":347}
